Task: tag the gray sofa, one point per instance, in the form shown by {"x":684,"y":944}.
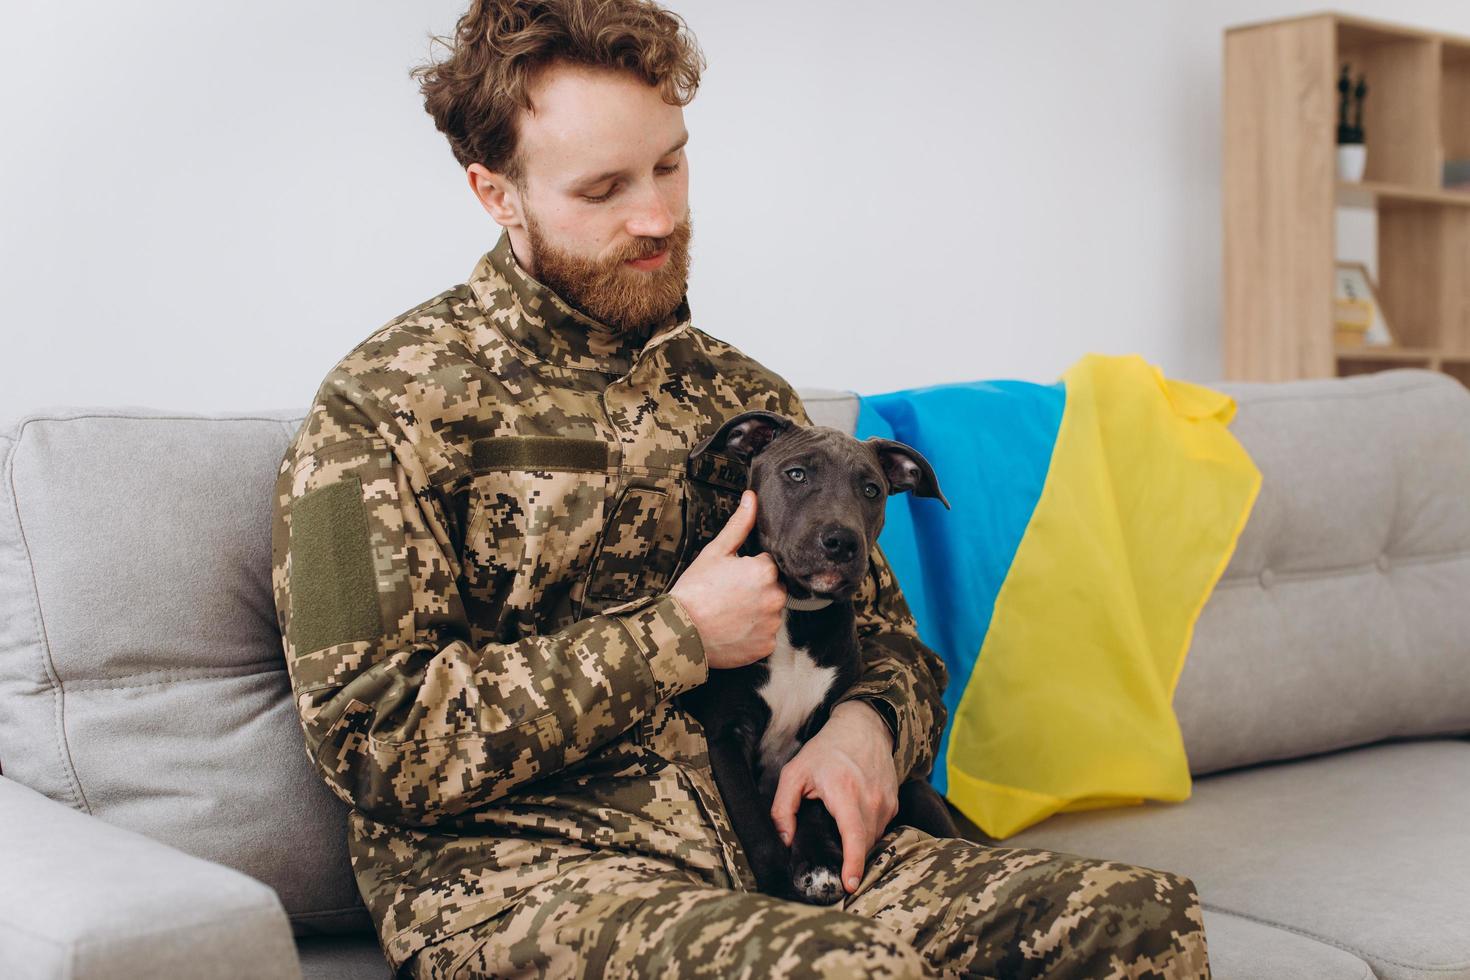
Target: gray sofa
{"x":159,"y":817}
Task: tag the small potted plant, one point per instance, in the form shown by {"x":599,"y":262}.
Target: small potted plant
{"x":1352,"y":154}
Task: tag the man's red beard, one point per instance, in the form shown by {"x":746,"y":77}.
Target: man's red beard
{"x":610,"y":292}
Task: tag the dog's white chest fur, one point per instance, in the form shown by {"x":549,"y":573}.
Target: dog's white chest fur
{"x":793,"y":690}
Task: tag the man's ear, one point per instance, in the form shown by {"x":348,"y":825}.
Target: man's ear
{"x":745,"y":435}
{"x":906,"y":469}
{"x":497,"y":195}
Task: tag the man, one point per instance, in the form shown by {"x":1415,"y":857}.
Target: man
{"x":485,"y":577}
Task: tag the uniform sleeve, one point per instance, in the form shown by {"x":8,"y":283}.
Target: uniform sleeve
{"x":902,"y":678}
{"x":406,"y":720}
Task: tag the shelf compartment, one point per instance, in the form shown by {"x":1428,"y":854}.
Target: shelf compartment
{"x":1423,"y":261}
{"x":1459,"y":370}
{"x":1454,"y":107}
{"x":1403,"y":72}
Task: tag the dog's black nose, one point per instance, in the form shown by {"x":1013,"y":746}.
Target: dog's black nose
{"x":839,"y":543}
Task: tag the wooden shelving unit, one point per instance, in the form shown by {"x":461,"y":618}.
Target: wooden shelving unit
{"x":1282,"y":192}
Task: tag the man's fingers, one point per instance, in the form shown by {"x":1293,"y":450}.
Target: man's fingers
{"x":788,"y":797}
{"x":737,"y":528}
{"x":854,"y":839}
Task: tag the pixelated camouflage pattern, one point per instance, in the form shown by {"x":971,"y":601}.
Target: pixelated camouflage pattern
{"x":512,"y":712}
{"x":926,"y":907}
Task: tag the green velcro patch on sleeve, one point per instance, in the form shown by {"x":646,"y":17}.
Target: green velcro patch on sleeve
{"x":334,"y":590}
{"x":538,"y":452}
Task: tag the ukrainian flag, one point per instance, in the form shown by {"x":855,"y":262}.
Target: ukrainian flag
{"x":1091,"y":520}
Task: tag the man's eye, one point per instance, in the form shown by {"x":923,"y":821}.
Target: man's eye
{"x":599,"y":198}
{"x":871,"y":490}
{"x":797,"y":474}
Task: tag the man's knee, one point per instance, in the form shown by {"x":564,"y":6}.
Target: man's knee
{"x":826,"y":956}
{"x":736,"y":934}
{"x":1142,"y":923}
{"x":1020,"y":912}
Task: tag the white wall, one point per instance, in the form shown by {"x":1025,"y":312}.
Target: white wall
{"x":202,"y":206}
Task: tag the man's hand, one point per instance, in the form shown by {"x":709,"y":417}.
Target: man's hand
{"x":736,"y":602}
{"x":848,"y":765}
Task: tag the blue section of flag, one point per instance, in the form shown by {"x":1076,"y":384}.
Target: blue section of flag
{"x":990,"y":443}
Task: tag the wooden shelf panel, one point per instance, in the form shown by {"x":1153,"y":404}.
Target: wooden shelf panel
{"x":1386,"y":353}
{"x":1368,"y":30}
{"x":1456,"y":366}
{"x":1369,"y":194}
{"x":1359,"y":29}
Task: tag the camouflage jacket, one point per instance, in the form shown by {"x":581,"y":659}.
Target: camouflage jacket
{"x":474,"y":532}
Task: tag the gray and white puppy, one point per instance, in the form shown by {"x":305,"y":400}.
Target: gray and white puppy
{"x":821,"y":497}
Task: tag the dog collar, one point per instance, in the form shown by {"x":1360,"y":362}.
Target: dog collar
{"x":807,"y":605}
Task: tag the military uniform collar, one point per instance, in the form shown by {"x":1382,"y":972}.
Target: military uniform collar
{"x":540,"y":323}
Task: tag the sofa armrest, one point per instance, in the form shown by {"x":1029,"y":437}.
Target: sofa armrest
{"x":84,"y":899}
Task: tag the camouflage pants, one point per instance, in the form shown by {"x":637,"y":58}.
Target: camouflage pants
{"x":927,"y":907}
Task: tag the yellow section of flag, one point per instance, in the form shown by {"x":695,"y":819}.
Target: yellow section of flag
{"x":1069,"y":706}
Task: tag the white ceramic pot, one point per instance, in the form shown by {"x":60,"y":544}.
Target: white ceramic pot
{"x":1351,"y":159}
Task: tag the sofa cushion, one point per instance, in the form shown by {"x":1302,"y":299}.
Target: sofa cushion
{"x":1364,"y":850}
{"x":342,"y":958}
{"x":141,"y":671}
{"x":84,"y":900}
{"x":1341,"y":618}
{"x":1243,"y":949}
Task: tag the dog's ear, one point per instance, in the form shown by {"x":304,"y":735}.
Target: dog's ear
{"x":907,"y":469}
{"x":745,"y":435}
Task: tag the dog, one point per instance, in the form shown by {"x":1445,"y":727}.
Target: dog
{"x":821,"y":495}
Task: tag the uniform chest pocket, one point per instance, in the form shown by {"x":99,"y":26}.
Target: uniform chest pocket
{"x":640,"y":546}
{"x":537,"y":508}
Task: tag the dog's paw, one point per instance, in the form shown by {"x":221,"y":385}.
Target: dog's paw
{"x":818,"y":885}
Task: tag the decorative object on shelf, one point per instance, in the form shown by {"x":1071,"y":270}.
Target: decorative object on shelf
{"x":1352,"y":153}
{"x":1358,"y":316}
{"x":1457,"y":175}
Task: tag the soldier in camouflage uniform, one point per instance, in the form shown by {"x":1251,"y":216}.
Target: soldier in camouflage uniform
{"x":477,"y":530}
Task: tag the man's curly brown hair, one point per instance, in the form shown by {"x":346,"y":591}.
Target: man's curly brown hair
{"x":478,"y":90}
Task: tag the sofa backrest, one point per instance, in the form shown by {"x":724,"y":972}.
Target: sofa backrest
{"x":1344,"y":615}
{"x":141,"y":672}
{"x":141,"y":676}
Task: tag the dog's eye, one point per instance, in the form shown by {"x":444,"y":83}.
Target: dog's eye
{"x":871,"y":490}
{"x":797,"y":474}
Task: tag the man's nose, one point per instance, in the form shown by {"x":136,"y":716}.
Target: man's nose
{"x":652,"y":217}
